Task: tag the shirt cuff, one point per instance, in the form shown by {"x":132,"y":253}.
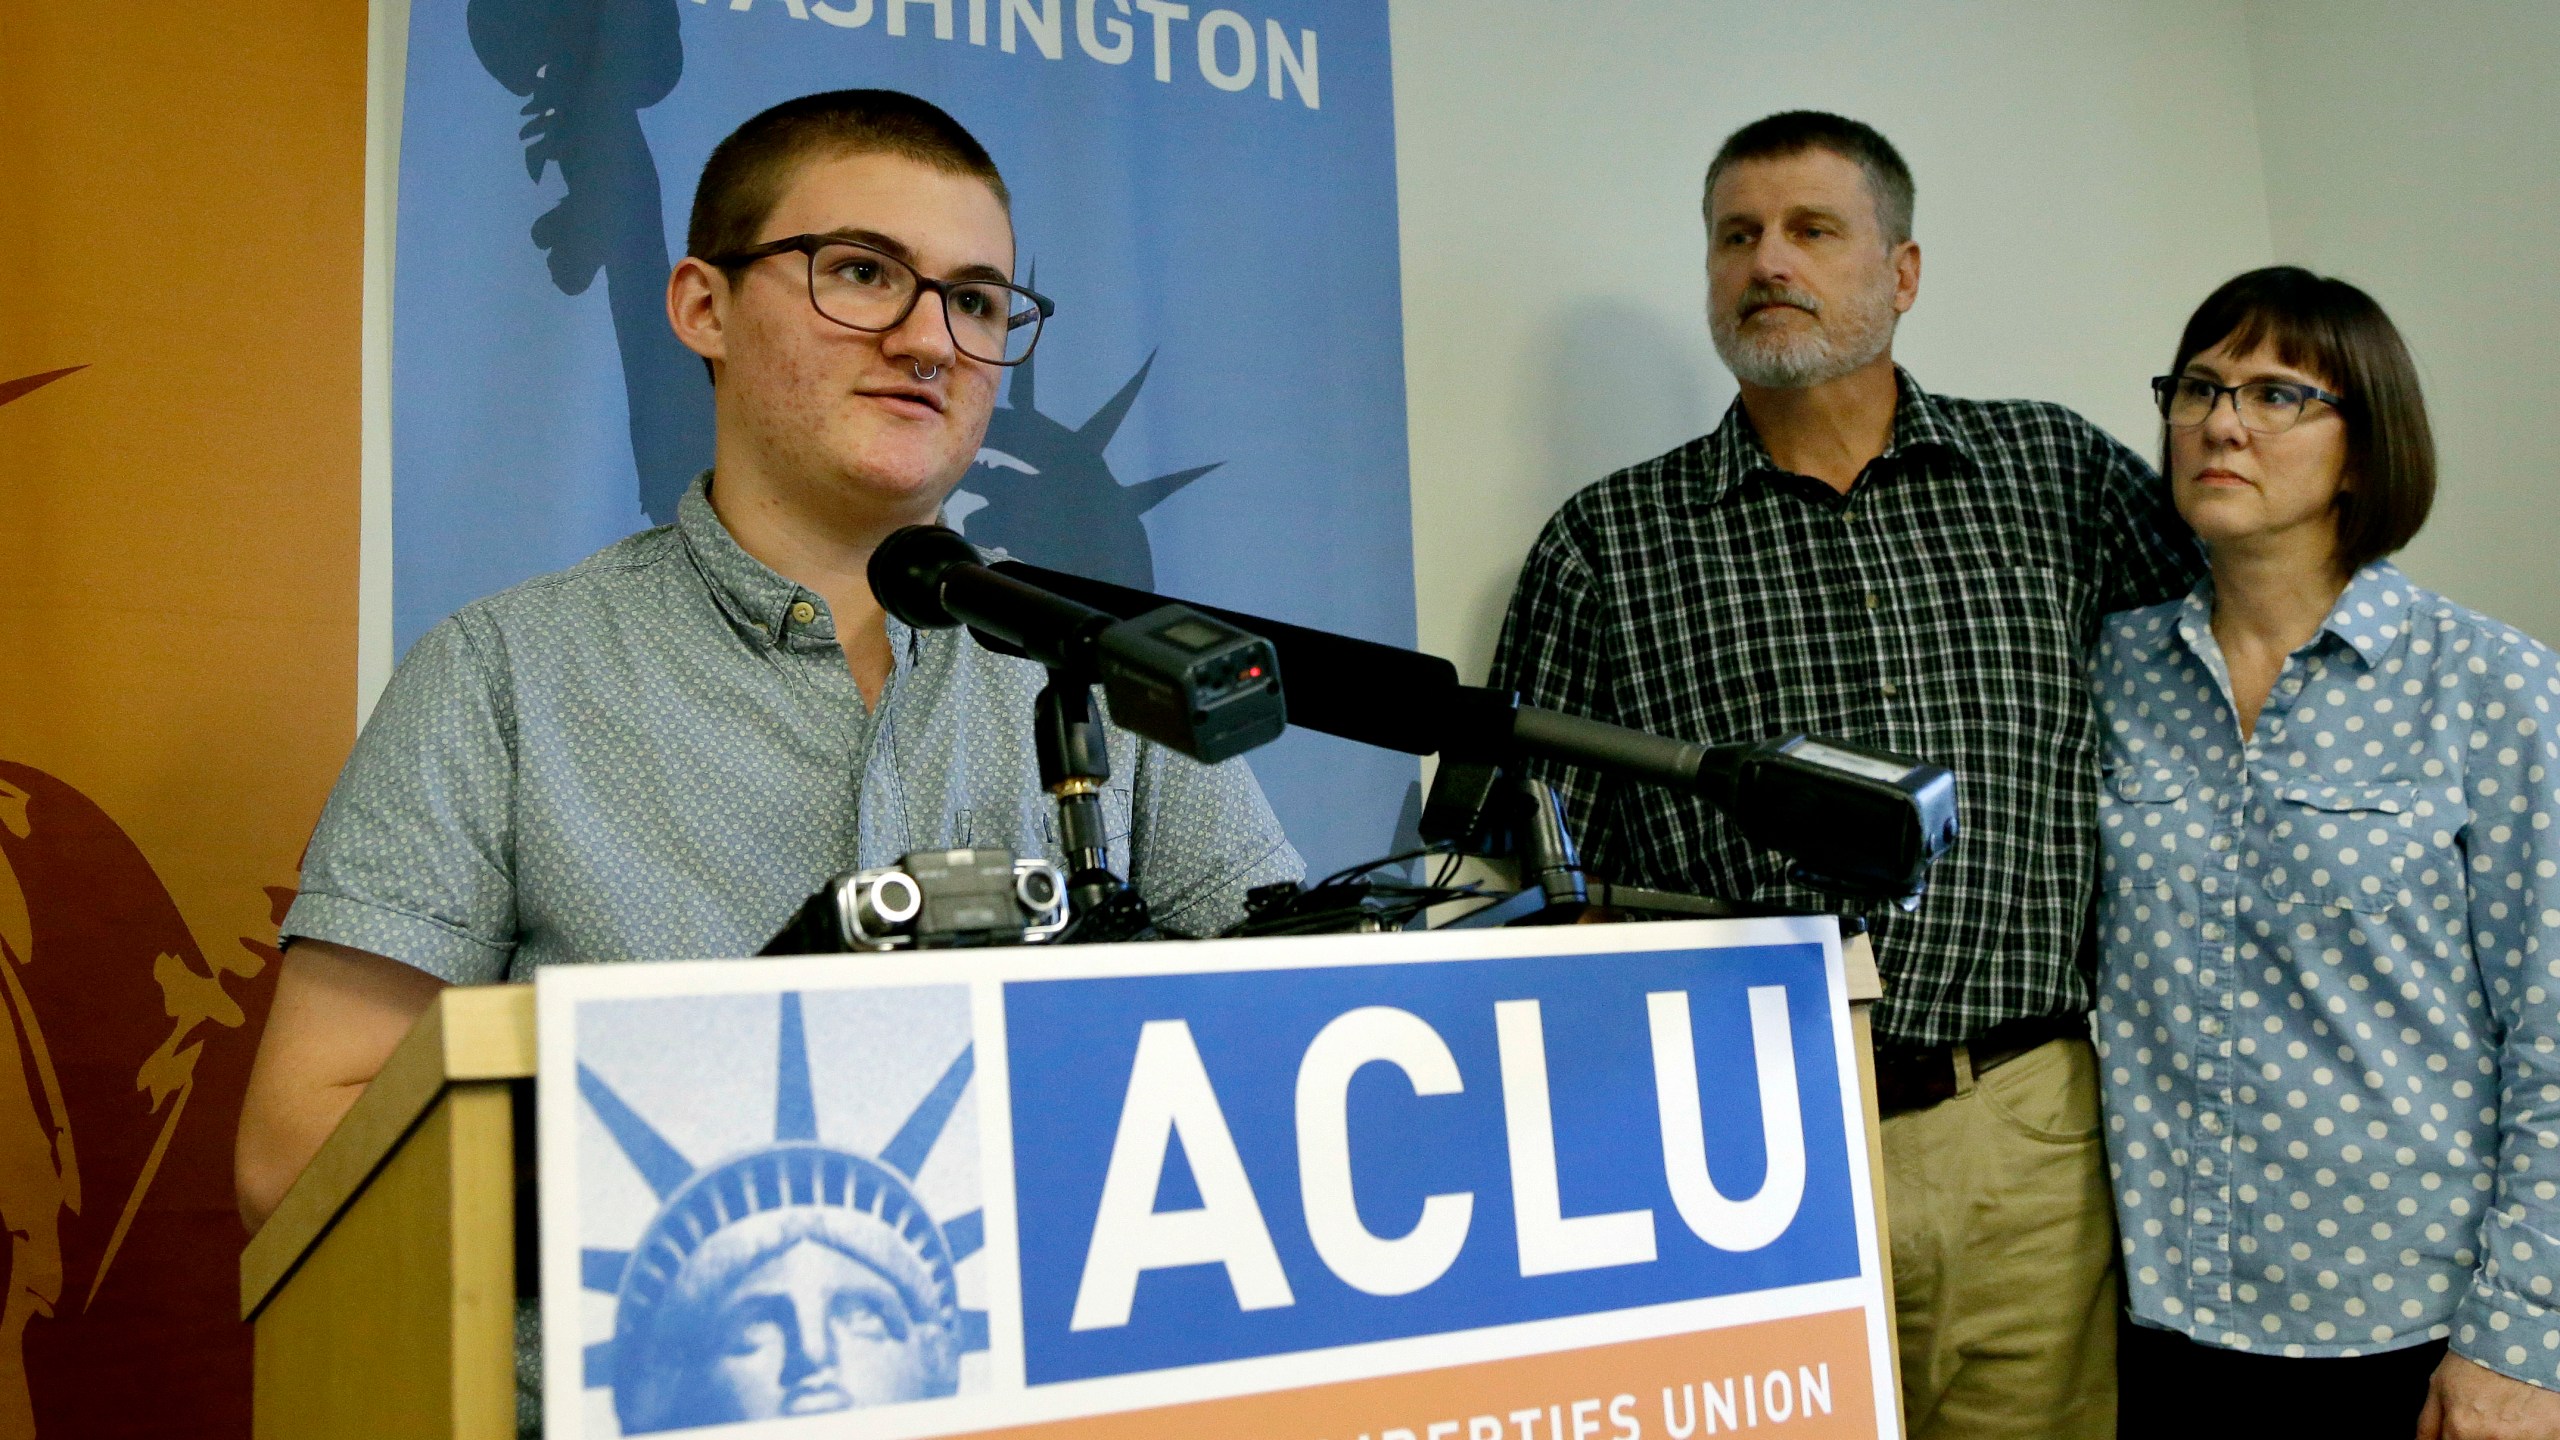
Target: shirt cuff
{"x":430,"y":945}
{"x":2498,"y":1326}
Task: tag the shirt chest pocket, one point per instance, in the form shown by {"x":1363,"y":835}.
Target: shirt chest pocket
{"x":2150,"y":821}
{"x":2021,"y":624}
{"x":2372,"y":847}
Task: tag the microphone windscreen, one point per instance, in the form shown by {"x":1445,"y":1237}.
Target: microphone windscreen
{"x":908,"y":569}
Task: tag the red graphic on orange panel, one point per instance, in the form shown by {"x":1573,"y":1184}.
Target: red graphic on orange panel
{"x":123,"y":1056}
{"x":28,"y":385}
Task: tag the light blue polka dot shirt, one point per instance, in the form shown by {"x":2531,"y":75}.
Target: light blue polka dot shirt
{"x":2331,"y":956}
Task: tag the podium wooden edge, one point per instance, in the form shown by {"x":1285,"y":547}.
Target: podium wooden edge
{"x":470,"y":1033}
{"x":1858,"y":962}
{"x":1866,"y":986}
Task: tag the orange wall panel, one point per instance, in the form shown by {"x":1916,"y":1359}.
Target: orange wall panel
{"x":181,"y":217}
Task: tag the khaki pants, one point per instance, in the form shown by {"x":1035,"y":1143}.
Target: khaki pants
{"x":2004,"y":1243}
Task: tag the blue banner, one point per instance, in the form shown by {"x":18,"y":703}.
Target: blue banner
{"x":1217,"y":411}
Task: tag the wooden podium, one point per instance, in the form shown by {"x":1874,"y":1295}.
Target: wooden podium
{"x":383,"y":1289}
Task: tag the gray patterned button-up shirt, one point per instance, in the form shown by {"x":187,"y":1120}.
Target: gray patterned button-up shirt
{"x":660,"y":753}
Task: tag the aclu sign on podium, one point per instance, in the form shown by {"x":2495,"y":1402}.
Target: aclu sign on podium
{"x":1513,"y":1185}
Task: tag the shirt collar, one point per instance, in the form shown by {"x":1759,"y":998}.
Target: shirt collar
{"x":758,"y":600}
{"x":2371,"y":615}
{"x":1734,"y":451}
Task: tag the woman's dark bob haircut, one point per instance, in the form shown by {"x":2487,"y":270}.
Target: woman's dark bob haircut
{"x":2337,"y":334}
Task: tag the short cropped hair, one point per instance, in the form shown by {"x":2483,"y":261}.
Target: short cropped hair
{"x":2337,"y":332}
{"x":748,"y":172}
{"x":1793,"y":132}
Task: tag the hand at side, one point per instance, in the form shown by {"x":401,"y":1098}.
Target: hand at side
{"x":2469,"y":1401}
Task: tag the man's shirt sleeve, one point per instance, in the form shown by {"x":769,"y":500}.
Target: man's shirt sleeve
{"x":1200,"y":837}
{"x":413,"y":858}
{"x":2141,"y":550}
{"x":1549,"y":654}
{"x":2510,"y":1320}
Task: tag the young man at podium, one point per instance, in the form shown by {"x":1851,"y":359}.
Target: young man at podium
{"x":660,"y":753}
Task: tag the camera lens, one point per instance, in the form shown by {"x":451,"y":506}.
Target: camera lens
{"x":1037,"y":888}
{"x":895,"y":898}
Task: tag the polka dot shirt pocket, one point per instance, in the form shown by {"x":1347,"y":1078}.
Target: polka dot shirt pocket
{"x":2147,"y":813}
{"x":2377,"y":847}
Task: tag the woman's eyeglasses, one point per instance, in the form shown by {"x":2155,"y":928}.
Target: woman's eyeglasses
{"x":2268,"y":407}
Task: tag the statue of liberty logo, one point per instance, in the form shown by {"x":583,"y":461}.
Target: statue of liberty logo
{"x":1051,"y":498}
{"x":796,"y":1277}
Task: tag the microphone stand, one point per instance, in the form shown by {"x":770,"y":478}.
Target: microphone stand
{"x":1074,"y":761}
{"x":1529,"y":825}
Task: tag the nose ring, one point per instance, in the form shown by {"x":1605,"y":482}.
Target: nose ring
{"x":922,"y":371}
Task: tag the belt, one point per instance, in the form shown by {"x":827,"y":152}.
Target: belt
{"x":1915,"y":1077}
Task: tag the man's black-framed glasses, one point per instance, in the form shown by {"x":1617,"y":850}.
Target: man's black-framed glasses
{"x":871,"y":290}
{"x":2269,"y":407}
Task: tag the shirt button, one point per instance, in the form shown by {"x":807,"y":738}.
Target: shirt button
{"x":802,"y":612}
{"x":1872,"y":601}
{"x":1888,"y":688}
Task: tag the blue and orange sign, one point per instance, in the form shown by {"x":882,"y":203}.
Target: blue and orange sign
{"x":1510,"y":1186}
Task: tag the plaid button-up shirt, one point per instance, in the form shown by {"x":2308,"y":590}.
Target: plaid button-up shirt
{"x":1943,"y":608}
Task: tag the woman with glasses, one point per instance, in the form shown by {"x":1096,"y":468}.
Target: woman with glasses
{"x":2329,"y":1007}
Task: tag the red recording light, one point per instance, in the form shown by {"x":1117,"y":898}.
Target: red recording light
{"x":1253,"y":673}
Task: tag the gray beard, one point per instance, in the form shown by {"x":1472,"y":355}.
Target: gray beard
{"x":1862,"y":330}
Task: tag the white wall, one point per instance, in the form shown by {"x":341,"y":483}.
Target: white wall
{"x":2415,"y":150}
{"x":2086,"y":174}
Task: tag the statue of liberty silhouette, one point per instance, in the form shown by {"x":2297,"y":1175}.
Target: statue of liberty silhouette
{"x":1051,"y":497}
{"x":587,"y":68}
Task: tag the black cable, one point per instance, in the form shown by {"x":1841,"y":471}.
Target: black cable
{"x":1349,"y":873}
{"x":1449,"y":868}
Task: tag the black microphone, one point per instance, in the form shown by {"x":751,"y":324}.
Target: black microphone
{"x":1855,"y":820}
{"x":1407,"y":700}
{"x":1852,"y":818}
{"x":1202,"y":686}
{"x":934,"y":580}
{"x":1358,"y":689}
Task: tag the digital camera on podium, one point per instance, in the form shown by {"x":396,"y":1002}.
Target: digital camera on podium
{"x":931,"y":900}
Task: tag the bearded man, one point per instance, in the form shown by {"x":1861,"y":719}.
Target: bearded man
{"x":1848,"y":554}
